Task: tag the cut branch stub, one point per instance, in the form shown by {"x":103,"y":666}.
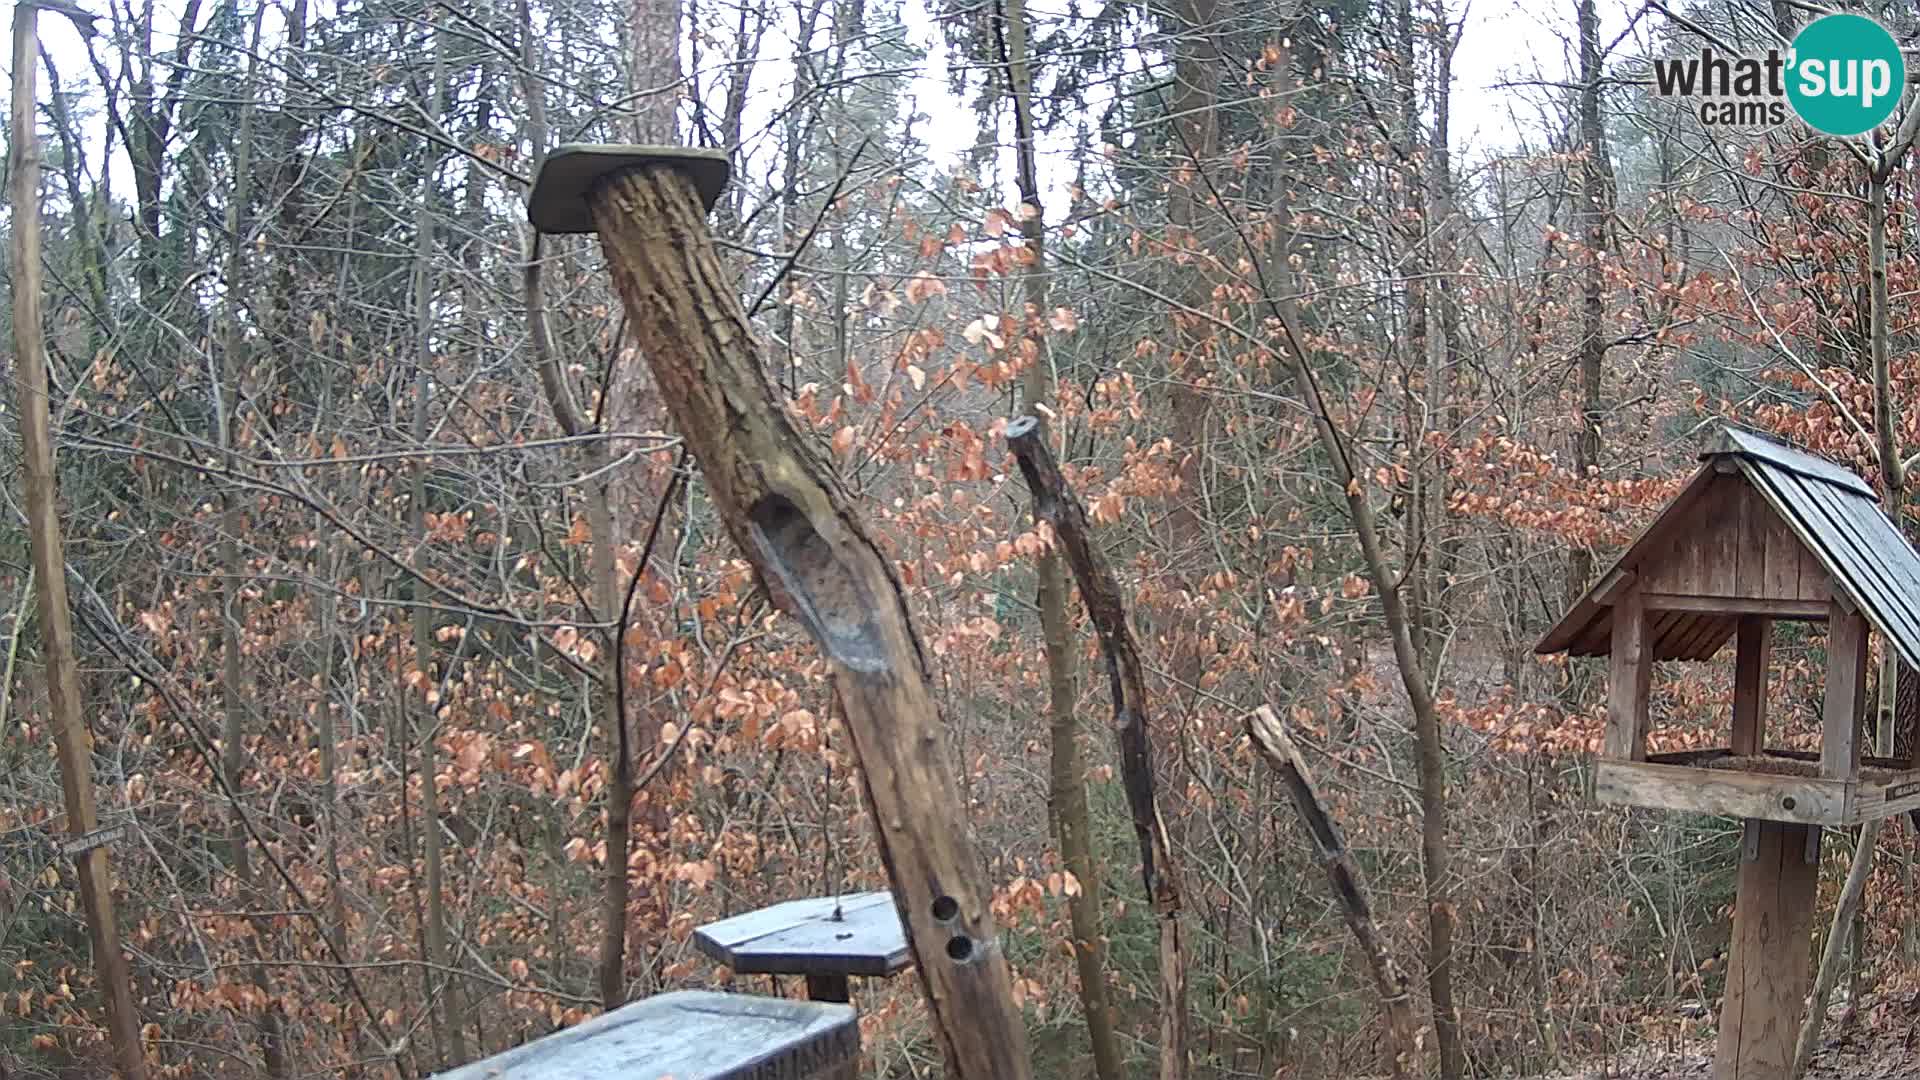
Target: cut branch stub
{"x":1349,"y":887}
{"x":797,"y":528}
{"x":1056,"y":504}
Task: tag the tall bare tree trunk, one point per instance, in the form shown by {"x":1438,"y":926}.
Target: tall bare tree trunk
{"x":1067,"y":783}
{"x":71,"y":738}
{"x":445,"y":990}
{"x":232,"y":615}
{"x":1593,"y":220}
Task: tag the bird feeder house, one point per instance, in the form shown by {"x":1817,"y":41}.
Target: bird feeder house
{"x":1762,"y":533}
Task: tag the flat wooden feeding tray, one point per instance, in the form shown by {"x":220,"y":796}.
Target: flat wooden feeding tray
{"x":802,"y":937}
{"x":1778,"y":785}
{"x":690,"y":1035}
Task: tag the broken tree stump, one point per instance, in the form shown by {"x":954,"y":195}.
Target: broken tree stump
{"x":1349,"y":886}
{"x":790,"y":519}
{"x":1055,"y":503}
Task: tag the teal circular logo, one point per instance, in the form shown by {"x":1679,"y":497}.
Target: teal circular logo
{"x":1845,"y":74}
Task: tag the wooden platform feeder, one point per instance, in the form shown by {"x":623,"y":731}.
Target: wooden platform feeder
{"x":1762,"y":533}
{"x":690,"y":1035}
{"x":826,"y":939}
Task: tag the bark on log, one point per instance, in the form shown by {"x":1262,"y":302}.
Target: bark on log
{"x":1055,"y":503}
{"x":1349,"y":886}
{"x":798,"y":529}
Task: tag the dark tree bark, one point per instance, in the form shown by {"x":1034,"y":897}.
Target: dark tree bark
{"x":1055,"y":503}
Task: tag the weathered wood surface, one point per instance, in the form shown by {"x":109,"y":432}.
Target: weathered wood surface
{"x":1752,"y":655}
{"x":690,"y":1035}
{"x":800,"y":532}
{"x":802,"y":937}
{"x":1349,"y":886}
{"x":1843,"y":713}
{"x":1735,"y":545}
{"x":1811,"y":801}
{"x":1735,"y":606}
{"x":1055,"y":503}
{"x":1768,"y":957}
{"x":1629,"y":679}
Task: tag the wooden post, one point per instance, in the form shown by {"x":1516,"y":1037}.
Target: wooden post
{"x":1767,"y":966}
{"x":1349,"y":886}
{"x":829,"y":988}
{"x":1753,"y":649}
{"x":72,"y":742}
{"x":1846,"y":694}
{"x":1056,"y":504}
{"x":1630,"y":677}
{"x":799,"y":530}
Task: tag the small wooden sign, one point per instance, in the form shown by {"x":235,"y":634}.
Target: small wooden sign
{"x":86,"y":842}
{"x":1901,"y":791}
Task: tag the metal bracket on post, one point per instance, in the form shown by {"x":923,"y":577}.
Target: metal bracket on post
{"x":1750,"y":840}
{"x":558,"y":201}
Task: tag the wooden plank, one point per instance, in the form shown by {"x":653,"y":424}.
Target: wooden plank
{"x":1750,"y":680}
{"x":690,"y":1035}
{"x":1706,"y":637}
{"x":1899,"y":795}
{"x":1812,"y":611}
{"x":1768,"y":957}
{"x":1630,"y":677}
{"x":802,"y":937}
{"x":1682,"y":563}
{"x":1756,"y":522}
{"x":1783,"y":557}
{"x":1721,"y":792}
{"x":1719,"y":542}
{"x":1846,"y":694}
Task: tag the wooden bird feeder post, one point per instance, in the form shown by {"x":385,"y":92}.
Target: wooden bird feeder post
{"x":1763,"y":533}
{"x":792,"y":522}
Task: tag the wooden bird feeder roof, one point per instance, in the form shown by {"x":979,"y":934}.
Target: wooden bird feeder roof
{"x":803,"y":937}
{"x":1761,"y":529}
{"x":689,"y":1035}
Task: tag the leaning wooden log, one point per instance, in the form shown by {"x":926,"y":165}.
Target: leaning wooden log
{"x":801,"y":534}
{"x":1056,"y":504}
{"x":1349,"y":886}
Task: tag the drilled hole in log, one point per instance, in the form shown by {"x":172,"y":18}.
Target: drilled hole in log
{"x":945,"y":908}
{"x":1787,"y":802}
{"x":825,"y":595}
{"x":960,"y":947}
